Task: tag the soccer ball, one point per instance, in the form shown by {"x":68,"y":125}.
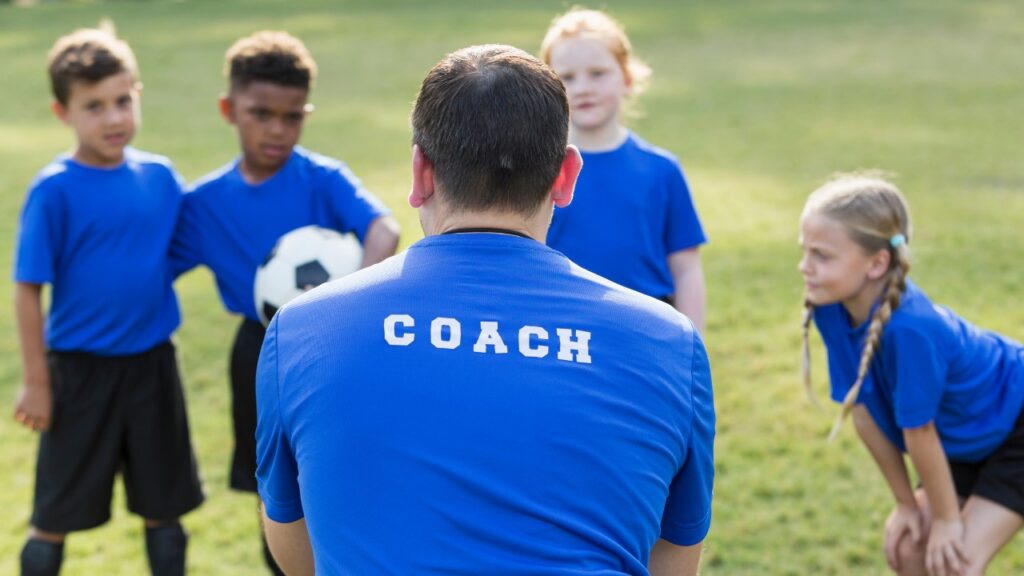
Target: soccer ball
{"x":302,"y":259}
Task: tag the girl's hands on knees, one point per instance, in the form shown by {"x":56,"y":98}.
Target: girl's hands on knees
{"x":905,"y":520}
{"x":946,"y":555}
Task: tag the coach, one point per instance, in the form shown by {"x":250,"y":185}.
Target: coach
{"x":479,"y":404}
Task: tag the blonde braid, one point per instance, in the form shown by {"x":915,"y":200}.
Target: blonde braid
{"x":890,"y":301}
{"x":805,"y":358}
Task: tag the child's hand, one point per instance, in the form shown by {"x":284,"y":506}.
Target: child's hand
{"x":34,"y":405}
{"x":946,"y":555}
{"x":903,"y":521}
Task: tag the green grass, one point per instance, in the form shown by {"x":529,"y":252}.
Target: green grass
{"x":760,"y":100}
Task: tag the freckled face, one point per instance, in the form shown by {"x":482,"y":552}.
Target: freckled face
{"x":594,"y":82}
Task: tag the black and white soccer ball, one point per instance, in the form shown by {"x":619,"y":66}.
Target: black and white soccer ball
{"x":302,"y":259}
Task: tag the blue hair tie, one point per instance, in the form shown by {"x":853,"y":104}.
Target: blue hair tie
{"x":897,"y":240}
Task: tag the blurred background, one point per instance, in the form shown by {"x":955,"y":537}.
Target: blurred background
{"x":761,"y":101}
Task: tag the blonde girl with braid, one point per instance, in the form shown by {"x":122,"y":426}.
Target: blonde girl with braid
{"x":917,"y":379}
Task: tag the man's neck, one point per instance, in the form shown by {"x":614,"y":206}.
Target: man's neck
{"x":535,"y":226}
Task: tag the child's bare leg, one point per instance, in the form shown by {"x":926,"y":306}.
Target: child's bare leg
{"x":988,"y":527}
{"x":912,"y":556}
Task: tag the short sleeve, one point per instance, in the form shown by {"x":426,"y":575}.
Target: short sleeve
{"x":918,"y":370}
{"x":276,"y":468}
{"x":179,"y":181}
{"x":683,"y":229}
{"x":348,"y":205}
{"x":39,"y":237}
{"x":186,"y":246}
{"x":687,"y":516}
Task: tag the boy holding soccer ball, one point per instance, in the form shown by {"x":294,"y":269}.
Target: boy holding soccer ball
{"x":102,"y":387}
{"x":232,"y":218}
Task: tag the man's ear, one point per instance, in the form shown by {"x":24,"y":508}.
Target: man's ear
{"x":565,"y":183}
{"x":422,"y":178}
{"x":59,"y":111}
{"x":878,"y":265}
{"x":227,"y":108}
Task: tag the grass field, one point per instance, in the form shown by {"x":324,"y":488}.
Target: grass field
{"x":760,"y":100}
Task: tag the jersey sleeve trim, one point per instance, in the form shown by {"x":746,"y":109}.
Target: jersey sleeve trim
{"x":687,"y":534}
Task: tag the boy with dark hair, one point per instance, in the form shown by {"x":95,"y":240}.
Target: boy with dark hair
{"x":103,"y":387}
{"x":479,"y":404}
{"x":234,"y":216}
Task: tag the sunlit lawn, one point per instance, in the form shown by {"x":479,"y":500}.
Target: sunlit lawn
{"x":761,"y":101}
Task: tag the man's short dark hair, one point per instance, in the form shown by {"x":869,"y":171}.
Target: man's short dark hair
{"x":88,"y":55}
{"x":494,"y":122}
{"x":269,"y":56}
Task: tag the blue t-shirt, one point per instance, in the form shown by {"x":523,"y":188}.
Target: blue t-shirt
{"x":100,"y":237}
{"x":480,"y":405}
{"x":632,"y":208}
{"x":230,"y":225}
{"x":932,"y":366}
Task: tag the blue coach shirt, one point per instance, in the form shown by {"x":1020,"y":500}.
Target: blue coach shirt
{"x":100,"y":237}
{"x":230,"y":225}
{"x":481,"y":405}
{"x":932,"y":366}
{"x":632,"y":208}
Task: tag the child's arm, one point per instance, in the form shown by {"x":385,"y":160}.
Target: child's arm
{"x":889,"y":459}
{"x":945,"y":541}
{"x":380,"y":241}
{"x":688,"y":277}
{"x":905,"y":519}
{"x":668,"y":559}
{"x":34,"y":405}
{"x":289,"y":543}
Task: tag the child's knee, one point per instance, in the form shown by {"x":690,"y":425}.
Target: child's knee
{"x":911,"y":557}
{"x":978,"y":564}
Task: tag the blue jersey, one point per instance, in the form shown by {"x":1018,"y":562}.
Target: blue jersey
{"x":632,"y":208}
{"x":230,"y":225}
{"x":480,"y":405}
{"x":933,"y":366}
{"x":100,"y":237}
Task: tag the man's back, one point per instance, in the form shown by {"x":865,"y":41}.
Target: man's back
{"x":480,"y":405}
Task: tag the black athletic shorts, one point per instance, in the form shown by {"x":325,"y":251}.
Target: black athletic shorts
{"x":1000,"y":477}
{"x":245,"y":355}
{"x":114,"y":414}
